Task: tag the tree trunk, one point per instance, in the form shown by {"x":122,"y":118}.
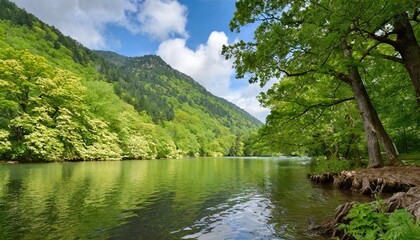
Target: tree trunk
{"x":353,"y":143}
{"x":365,"y":109}
{"x":327,"y":151}
{"x":371,"y":120}
{"x":409,"y":49}
{"x":374,"y":130}
{"x":370,"y":115}
{"x":386,"y":142}
{"x":357,"y":160}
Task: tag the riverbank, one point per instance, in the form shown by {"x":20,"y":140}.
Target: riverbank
{"x":403,"y":181}
{"x":9,"y":162}
{"x":372,"y":181}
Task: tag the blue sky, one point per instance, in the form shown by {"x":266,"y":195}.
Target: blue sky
{"x":204,"y":17}
{"x":187,"y":34}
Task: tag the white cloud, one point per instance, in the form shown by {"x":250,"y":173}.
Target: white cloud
{"x":162,"y":19}
{"x":207,"y":66}
{"x":246,"y":98}
{"x":86,"y":20}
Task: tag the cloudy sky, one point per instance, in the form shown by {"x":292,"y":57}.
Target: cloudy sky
{"x":187,"y":34}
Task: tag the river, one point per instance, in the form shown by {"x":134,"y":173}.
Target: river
{"x":199,"y":198}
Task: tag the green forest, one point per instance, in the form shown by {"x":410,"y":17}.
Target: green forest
{"x":60,"y":101}
{"x":347,"y":88}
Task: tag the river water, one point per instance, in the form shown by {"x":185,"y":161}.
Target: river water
{"x":200,"y":198}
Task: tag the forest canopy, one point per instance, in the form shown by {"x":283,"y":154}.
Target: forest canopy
{"x":348,"y":75}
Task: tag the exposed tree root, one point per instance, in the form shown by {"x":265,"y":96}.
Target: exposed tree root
{"x":409,"y":200}
{"x":372,"y":181}
{"x":404,"y":182}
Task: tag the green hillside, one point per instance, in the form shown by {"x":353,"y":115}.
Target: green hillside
{"x":140,"y":78}
{"x":62,"y":101}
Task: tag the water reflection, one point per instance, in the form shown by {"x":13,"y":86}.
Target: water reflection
{"x":207,"y":198}
{"x":245,"y":216}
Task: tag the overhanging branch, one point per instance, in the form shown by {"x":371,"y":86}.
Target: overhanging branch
{"x":365,"y":54}
{"x":296,"y":74}
{"x":341,"y":76}
{"x":325,"y":105}
{"x":384,"y":56}
{"x":392,"y":58}
{"x":383,"y":38}
{"x":333,"y":103}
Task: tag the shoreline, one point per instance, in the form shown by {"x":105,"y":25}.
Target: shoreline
{"x":371,"y":181}
{"x":402,"y":181}
{"x":9,"y":162}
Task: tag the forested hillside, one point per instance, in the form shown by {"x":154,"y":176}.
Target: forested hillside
{"x":149,"y":84}
{"x":62,"y":101}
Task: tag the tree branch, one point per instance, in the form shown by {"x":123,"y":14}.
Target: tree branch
{"x":321,"y":6}
{"x":415,"y":15}
{"x":365,"y":54}
{"x":296,"y":74}
{"x":333,"y":103}
{"x":343,"y":77}
{"x":314,"y":121}
{"x":382,"y":39}
{"x":392,"y":58}
{"x":325,"y":105}
{"x":266,"y":134}
{"x":336,"y":89}
{"x":384,"y":56}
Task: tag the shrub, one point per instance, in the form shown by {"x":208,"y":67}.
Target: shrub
{"x":322,"y":165}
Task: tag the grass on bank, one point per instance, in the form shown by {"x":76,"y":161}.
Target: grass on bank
{"x":411,"y":158}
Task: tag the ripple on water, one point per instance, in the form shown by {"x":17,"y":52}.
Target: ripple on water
{"x":245,"y":216}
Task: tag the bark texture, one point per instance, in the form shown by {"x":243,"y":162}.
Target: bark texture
{"x":407,"y":45}
{"x":374,"y":130}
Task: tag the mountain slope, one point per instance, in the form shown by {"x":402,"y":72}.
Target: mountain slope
{"x":154,"y":72}
{"x":85,"y":105}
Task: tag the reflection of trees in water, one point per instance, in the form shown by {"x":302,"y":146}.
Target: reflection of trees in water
{"x":157,"y":198}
